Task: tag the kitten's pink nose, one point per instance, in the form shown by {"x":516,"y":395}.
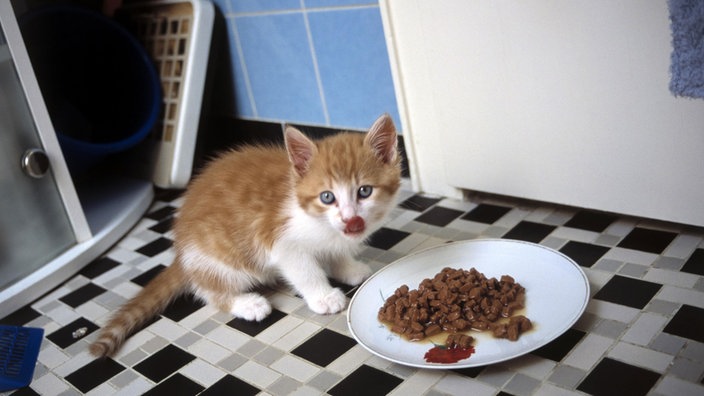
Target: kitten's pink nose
{"x":354,"y":225}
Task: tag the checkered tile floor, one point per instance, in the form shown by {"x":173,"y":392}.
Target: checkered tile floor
{"x":642,"y":333}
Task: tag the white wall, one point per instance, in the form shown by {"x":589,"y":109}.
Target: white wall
{"x":559,"y":101}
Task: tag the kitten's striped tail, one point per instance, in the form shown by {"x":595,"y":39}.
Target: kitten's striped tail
{"x":149,"y":302}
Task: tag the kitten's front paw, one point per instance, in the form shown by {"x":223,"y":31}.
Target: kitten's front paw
{"x":251,"y":306}
{"x":352,"y":273}
{"x":331,"y":303}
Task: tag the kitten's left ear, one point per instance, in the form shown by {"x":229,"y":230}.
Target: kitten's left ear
{"x":300,"y":149}
{"x":382,"y":139}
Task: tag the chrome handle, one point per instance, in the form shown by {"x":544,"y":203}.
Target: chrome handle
{"x":35,"y":163}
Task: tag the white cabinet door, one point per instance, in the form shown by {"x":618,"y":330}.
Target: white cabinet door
{"x":564,"y":102}
{"x":34,"y":227}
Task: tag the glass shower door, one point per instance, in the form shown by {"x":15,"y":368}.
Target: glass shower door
{"x":34,"y":225}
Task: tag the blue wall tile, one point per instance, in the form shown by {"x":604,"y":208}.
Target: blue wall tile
{"x":280,"y":67}
{"x":245,"y":6}
{"x":335,"y":3}
{"x":240,"y":91}
{"x":285,"y":53}
{"x":353,"y":65}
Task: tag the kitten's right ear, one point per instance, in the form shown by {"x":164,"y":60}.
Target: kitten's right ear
{"x":382,"y":139}
{"x":300,"y":149}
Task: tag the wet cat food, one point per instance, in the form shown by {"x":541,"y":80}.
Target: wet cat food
{"x":454,"y":301}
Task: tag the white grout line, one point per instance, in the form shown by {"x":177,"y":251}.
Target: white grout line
{"x":231,"y":13}
{"x":318,"y":80}
{"x":243,"y":64}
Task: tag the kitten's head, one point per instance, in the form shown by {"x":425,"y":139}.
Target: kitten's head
{"x":348,"y":181}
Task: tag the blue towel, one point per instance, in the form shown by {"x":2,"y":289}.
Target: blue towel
{"x":687,"y":60}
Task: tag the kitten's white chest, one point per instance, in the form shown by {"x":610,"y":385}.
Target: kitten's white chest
{"x":314,"y":234}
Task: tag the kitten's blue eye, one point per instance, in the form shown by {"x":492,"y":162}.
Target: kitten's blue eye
{"x":327,"y":197}
{"x":365,"y":191}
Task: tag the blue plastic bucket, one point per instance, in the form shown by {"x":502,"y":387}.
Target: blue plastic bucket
{"x":100,"y":86}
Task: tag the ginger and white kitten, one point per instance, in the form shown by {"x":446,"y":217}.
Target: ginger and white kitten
{"x":259,"y":214}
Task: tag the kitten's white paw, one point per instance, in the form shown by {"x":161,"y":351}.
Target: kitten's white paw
{"x":352,"y":273}
{"x":331,"y":303}
{"x":251,"y":306}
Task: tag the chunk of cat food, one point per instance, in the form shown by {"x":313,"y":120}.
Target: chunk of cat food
{"x":513,"y":329}
{"x":459,"y":341}
{"x":456,"y":300}
{"x":354,"y":225}
{"x":432,"y":330}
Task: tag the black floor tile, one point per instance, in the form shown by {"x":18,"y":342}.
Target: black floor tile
{"x":94,"y":374}
{"x":147,"y":276}
{"x":366,"y":381}
{"x":471,"y":372}
{"x":179,"y":385}
{"x":82,"y":295}
{"x":529,"y":231}
{"x":20,"y":317}
{"x":342,"y":286}
{"x":584,"y":254}
{"x":647,"y":240}
{"x":164,"y":363}
{"x":418,"y":203}
{"x":688,"y":322}
{"x":486,"y":213}
{"x":557,"y":349}
{"x":612,"y":377}
{"x":324,"y":347}
{"x":439,"y":216}
{"x":167,"y":195}
{"x":229,"y":385}
{"x":591,"y":221}
{"x":98,"y":267}
{"x":26,"y":391}
{"x":155,"y":247}
{"x":163,"y":226}
{"x":634,"y":293}
{"x":72,"y":332}
{"x":695,"y":263}
{"x":386,"y":238}
{"x":182,"y":307}
{"x":160,"y":214}
{"x":253,"y":328}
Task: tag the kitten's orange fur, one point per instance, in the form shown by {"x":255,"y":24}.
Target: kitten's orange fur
{"x":257,"y":214}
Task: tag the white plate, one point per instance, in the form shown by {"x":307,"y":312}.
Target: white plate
{"x":557,"y":292}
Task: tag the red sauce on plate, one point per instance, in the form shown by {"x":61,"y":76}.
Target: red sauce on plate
{"x":443,"y":354}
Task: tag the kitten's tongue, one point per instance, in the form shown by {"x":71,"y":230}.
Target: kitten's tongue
{"x":354,"y":225}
